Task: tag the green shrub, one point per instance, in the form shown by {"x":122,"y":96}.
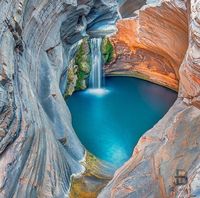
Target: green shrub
{"x":79,"y":70}
{"x":83,"y":62}
{"x":107,"y":50}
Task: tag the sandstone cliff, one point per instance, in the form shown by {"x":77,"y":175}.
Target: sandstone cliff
{"x":151,"y":45}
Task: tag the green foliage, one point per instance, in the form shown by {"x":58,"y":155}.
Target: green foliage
{"x":80,"y":83}
{"x":71,"y":80}
{"x":80,"y":55}
{"x":79,"y":69}
{"x":83,"y":63}
{"x":107,"y":50}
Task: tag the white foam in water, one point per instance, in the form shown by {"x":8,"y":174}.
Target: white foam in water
{"x":98,"y":92}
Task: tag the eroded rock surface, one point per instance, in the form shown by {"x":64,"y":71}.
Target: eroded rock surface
{"x":151,"y":45}
{"x":128,"y":7}
{"x":190,"y":68}
{"x":39,"y":150}
{"x":173,"y":143}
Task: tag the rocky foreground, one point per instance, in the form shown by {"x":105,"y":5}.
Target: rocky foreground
{"x":39,"y":151}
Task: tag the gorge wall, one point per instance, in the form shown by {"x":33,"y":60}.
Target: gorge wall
{"x":173,"y":143}
{"x":151,"y":45}
{"x":39,"y":150}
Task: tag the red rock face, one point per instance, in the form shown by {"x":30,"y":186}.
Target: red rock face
{"x":151,"y":45}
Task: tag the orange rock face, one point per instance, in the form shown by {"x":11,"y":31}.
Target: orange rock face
{"x":151,"y":45}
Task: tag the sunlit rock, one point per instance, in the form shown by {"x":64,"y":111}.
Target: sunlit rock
{"x":39,"y":150}
{"x":151,"y":45}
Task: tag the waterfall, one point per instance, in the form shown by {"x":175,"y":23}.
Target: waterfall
{"x":96,"y":60}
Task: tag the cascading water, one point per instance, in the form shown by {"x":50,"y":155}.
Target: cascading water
{"x":96,"y":60}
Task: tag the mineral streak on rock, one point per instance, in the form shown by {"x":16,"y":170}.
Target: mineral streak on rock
{"x":151,"y":45}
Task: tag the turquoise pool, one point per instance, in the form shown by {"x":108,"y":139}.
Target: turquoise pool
{"x":110,"y":121}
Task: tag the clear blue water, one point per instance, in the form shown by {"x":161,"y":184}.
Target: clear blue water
{"x":110,"y":125}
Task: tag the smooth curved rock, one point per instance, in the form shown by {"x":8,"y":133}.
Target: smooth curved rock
{"x":190,"y":68}
{"x":128,"y":7}
{"x":151,"y":45}
{"x":39,"y":150}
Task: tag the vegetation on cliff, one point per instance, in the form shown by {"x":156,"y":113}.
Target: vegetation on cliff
{"x":79,"y":70}
{"x":82,"y":60}
{"x":71,"y":80}
{"x":80,"y":67}
{"x":107,"y":50}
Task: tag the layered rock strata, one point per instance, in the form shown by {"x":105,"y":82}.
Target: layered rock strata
{"x":173,"y":143}
{"x":151,"y":45}
{"x":39,"y":150}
